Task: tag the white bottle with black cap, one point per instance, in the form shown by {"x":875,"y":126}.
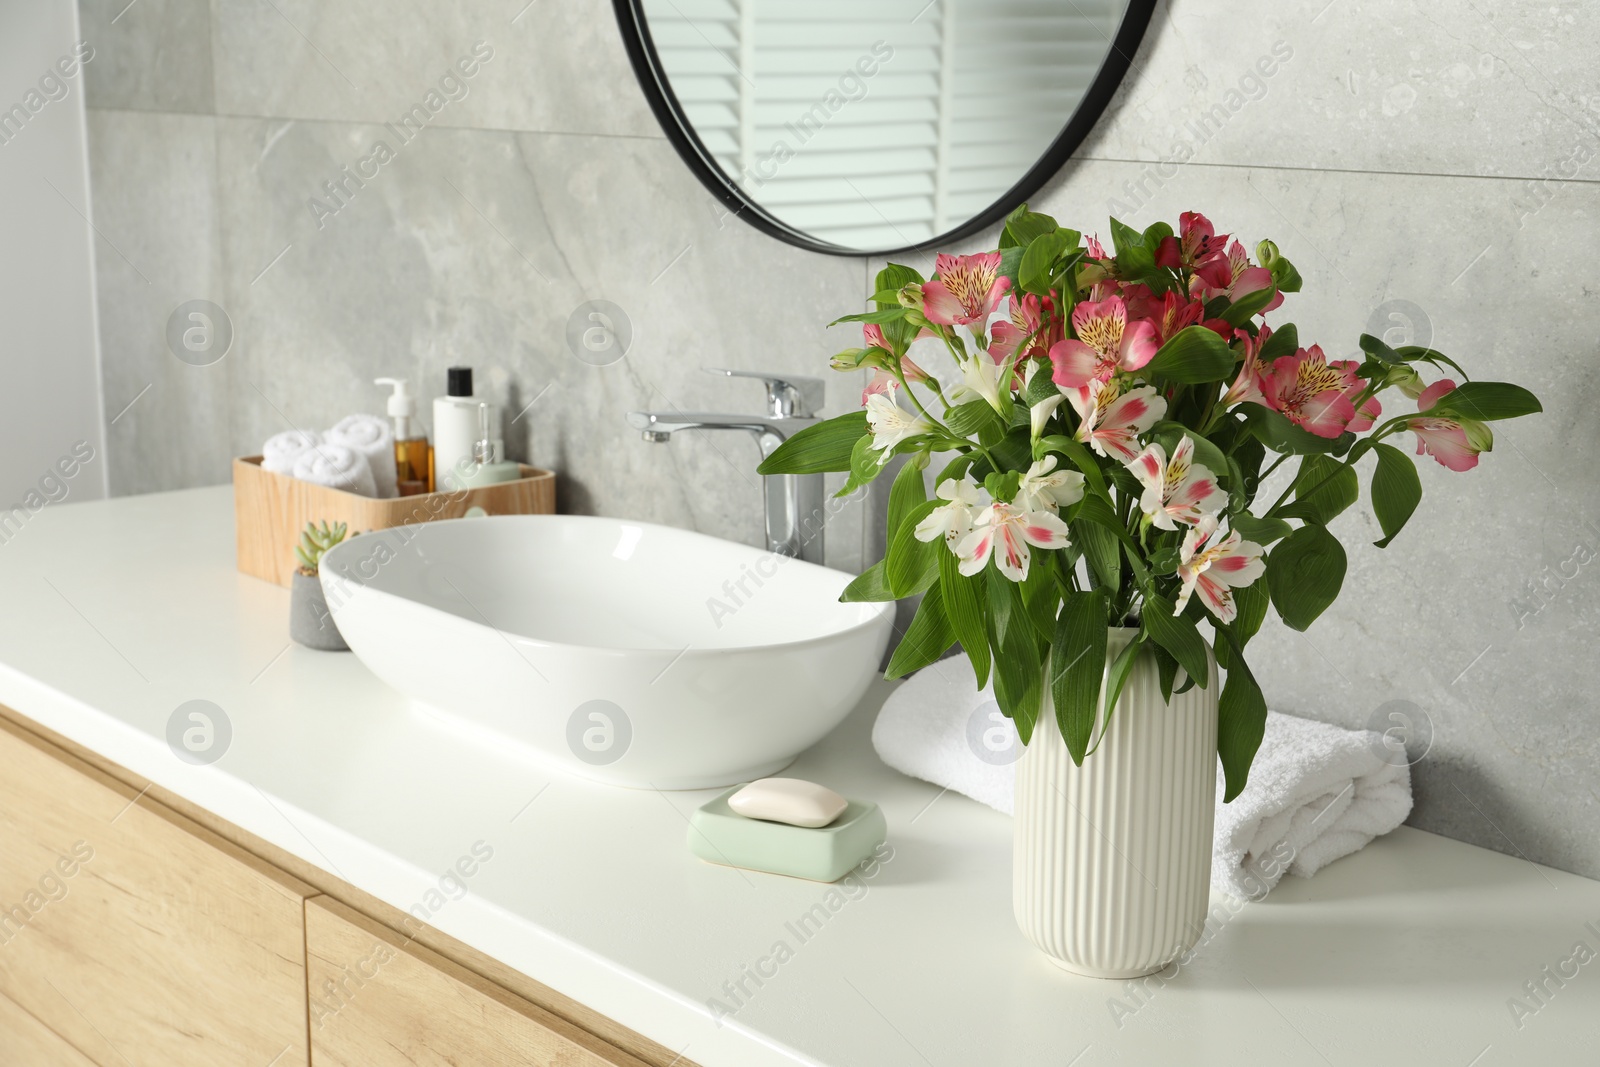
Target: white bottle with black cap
{"x":455,"y":430}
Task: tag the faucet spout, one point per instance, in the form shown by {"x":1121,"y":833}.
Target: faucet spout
{"x":794,"y":502}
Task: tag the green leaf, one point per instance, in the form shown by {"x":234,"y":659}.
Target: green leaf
{"x":1378,"y":350}
{"x":1304,"y":574}
{"x":926,"y":639}
{"x":868,"y":587}
{"x":1251,"y":602}
{"x":1177,"y":634}
{"x":1240,"y":311}
{"x":1018,"y":676}
{"x":963,"y":603}
{"x":1077,"y":665}
{"x":882,"y":315}
{"x":1022,"y":226}
{"x":1002,"y":600}
{"x":1117,"y":677}
{"x":1281,"y":435}
{"x":964,"y":420}
{"x":896,"y":276}
{"x":1283,"y":342}
{"x":825,"y":446}
{"x":1100,"y":549}
{"x":907,"y":491}
{"x":1323,"y":488}
{"x":1261,"y":531}
{"x":1419,"y":353}
{"x":1038,"y":262}
{"x":1487,"y":401}
{"x":864,"y":466}
{"x":1194,"y":355}
{"x":910,"y":565}
{"x":1241,"y":720}
{"x":1396,"y":491}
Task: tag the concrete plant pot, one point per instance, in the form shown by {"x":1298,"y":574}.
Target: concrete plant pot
{"x":310,"y":622}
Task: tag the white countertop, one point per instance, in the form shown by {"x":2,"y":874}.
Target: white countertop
{"x":1408,"y":953}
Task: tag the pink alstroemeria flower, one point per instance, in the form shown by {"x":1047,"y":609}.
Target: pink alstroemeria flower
{"x":1111,"y":420}
{"x":1246,"y":388}
{"x":1094,"y":249}
{"x":1216,"y":570}
{"x":1175,"y":490}
{"x":1106,"y":343}
{"x":966,"y":290}
{"x":1023,"y":322}
{"x":883,"y":381}
{"x":1196,"y":242}
{"x":1233,"y":276}
{"x":1442,"y":438}
{"x":1005,"y":532}
{"x":1318,"y":396}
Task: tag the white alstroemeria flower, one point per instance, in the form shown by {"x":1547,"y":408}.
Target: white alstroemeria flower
{"x":1005,"y":533}
{"x":981,"y":379}
{"x":1215,"y":571}
{"x":1176,"y":490}
{"x":890,"y":423}
{"x":1040,"y":413}
{"x":1043,"y":488}
{"x":1113,"y":420}
{"x":951,"y":521}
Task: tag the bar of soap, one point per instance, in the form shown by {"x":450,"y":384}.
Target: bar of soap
{"x":788,"y":800}
{"x":718,"y":834}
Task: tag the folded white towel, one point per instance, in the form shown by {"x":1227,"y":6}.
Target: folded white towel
{"x":372,"y":437}
{"x":338,"y":467}
{"x":282,"y":449}
{"x":1316,"y":792}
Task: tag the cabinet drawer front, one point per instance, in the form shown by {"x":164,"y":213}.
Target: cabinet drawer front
{"x":135,"y":934}
{"x":380,"y":1000}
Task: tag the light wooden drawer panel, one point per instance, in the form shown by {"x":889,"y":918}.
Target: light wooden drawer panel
{"x":380,"y":1000}
{"x":136,"y":934}
{"x":27,"y":1042}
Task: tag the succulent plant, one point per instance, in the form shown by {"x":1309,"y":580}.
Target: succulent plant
{"x":315,"y":541}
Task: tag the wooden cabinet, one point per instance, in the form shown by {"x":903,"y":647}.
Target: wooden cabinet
{"x":136,"y":928}
{"x":136,"y":935}
{"x":378,"y":999}
{"x":27,"y":1042}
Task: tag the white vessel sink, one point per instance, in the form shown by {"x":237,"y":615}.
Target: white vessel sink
{"x":625,"y":652}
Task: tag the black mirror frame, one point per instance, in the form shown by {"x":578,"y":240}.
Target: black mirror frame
{"x":658,"y":91}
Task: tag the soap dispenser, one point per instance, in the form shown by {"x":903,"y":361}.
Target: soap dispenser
{"x":487,"y":469}
{"x":411,"y":456}
{"x":455,"y":429}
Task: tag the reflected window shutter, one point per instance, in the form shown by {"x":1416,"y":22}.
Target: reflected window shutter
{"x":971,"y":94}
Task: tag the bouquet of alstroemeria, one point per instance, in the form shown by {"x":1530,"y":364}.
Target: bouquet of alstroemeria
{"x":1112,"y":416}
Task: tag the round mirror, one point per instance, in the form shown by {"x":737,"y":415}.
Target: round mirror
{"x":860,"y":128}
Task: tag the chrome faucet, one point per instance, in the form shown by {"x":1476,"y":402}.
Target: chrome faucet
{"x":793,"y":501}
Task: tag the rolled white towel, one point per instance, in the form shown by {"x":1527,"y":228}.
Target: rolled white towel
{"x":1317,"y":792}
{"x":282,"y":449}
{"x":372,"y":437}
{"x":338,"y":467}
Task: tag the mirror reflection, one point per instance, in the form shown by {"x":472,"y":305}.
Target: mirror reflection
{"x":882,"y":125}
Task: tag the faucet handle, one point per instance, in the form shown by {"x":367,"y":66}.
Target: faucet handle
{"x":788,"y":395}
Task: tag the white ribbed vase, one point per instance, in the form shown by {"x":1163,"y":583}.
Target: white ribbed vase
{"x":1111,"y":861}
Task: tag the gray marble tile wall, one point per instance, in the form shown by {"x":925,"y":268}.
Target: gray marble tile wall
{"x":1430,"y":168}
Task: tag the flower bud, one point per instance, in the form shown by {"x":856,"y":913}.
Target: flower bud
{"x":1405,"y":379}
{"x":1266,"y":254}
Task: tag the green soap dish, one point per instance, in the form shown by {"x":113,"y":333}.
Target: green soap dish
{"x":721,"y":835}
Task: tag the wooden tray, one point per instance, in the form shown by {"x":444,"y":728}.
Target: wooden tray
{"x":270,"y":510}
